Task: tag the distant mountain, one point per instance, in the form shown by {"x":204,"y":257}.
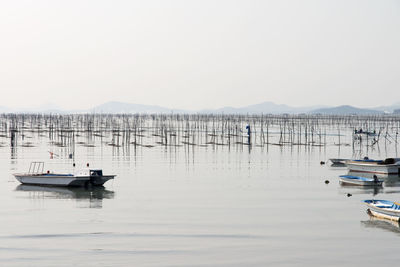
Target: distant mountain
{"x":121,"y":107}
{"x":346,"y":110}
{"x":4,"y":109}
{"x":388,"y":109}
{"x":48,"y":108}
{"x":264,"y":108}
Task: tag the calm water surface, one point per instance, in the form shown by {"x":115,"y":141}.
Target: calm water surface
{"x":194,"y":206}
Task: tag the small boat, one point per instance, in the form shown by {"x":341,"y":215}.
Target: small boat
{"x":338,"y":162}
{"x":83,"y":177}
{"x":362,"y":132}
{"x":384,"y":209}
{"x":386,"y":167}
{"x":358,"y":180}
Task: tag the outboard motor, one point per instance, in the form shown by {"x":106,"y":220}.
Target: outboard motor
{"x":389,"y":161}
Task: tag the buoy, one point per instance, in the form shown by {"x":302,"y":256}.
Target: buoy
{"x":327,"y":181}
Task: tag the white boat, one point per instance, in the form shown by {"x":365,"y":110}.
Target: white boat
{"x":83,"y":177}
{"x":387,"y":166}
{"x":358,"y":180}
{"x":384,"y":209}
{"x":339,"y":162}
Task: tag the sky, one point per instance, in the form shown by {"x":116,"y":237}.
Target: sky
{"x":199,"y":54}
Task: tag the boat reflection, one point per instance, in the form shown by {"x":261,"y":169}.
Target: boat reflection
{"x":387,"y":225}
{"x":359,"y":189}
{"x":390,"y":181}
{"x":338,"y":165}
{"x":93,"y":195}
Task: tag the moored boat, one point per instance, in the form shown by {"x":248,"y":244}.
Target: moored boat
{"x":358,"y":180}
{"x":384,"y":209}
{"x":386,"y":167}
{"x":338,"y":162}
{"x":83,"y":177}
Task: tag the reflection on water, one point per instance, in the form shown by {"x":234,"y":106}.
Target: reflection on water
{"x":392,"y":181}
{"x":390,"y":184}
{"x":94,"y":195}
{"x":359,"y":189}
{"x":369,"y":190}
{"x":338,"y":165}
{"x":387,"y":225}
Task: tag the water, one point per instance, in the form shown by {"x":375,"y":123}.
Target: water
{"x":194,"y":206}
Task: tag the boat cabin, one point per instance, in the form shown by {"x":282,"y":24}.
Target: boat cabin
{"x":89,"y":172}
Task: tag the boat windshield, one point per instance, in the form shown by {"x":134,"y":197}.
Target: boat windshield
{"x":96,"y":173}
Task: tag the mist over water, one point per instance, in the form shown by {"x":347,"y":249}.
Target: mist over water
{"x":195,"y":201}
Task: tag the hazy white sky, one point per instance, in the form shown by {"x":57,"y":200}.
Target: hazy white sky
{"x":199,"y":54}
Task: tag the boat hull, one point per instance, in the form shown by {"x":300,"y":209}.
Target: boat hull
{"x":55,"y":180}
{"x":374,"y":168}
{"x":383,"y":209}
{"x":100,"y":180}
{"x":339,"y":162}
{"x":383,"y":216}
{"x":361,"y":181}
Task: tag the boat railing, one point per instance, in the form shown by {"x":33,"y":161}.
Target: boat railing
{"x":36,"y":167}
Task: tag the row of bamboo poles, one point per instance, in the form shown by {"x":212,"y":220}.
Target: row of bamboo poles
{"x":199,"y":129}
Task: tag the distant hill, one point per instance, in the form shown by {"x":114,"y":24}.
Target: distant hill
{"x":121,"y":107}
{"x":46,"y":109}
{"x":264,"y":108}
{"x":4,"y":109}
{"x":261,"y":108}
{"x":346,"y":110}
{"x":388,"y":109}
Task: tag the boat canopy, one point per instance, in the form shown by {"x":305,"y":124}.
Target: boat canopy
{"x":89,"y":172}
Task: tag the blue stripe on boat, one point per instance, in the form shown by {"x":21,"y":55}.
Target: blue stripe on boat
{"x":357,"y":178}
{"x":53,"y":174}
{"x":386,"y":204}
{"x":368,"y":160}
